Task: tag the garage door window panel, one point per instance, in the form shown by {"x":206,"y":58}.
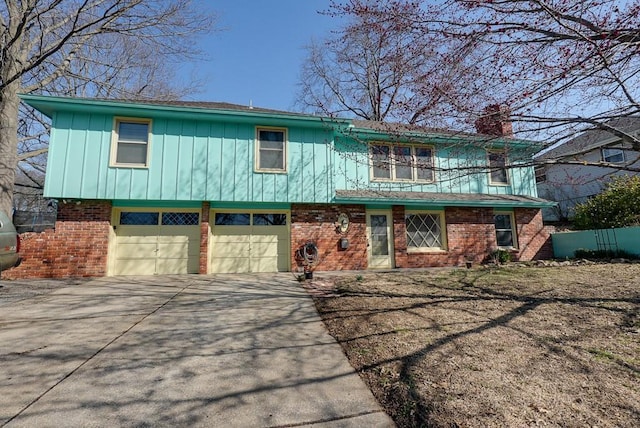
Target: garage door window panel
{"x":138,"y":218}
{"x":180,"y":219}
{"x":232,"y":219}
{"x":269,"y":219}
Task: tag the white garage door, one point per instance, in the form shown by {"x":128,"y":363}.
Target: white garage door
{"x":156,"y":242}
{"x":249,"y":242}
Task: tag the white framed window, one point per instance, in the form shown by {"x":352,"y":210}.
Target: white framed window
{"x":613,"y":155}
{"x":498,"y":174}
{"x":426,"y":231}
{"x":271,"y":149}
{"x":506,"y":237}
{"x":541,"y":173}
{"x":130,"y":142}
{"x":402,"y":162}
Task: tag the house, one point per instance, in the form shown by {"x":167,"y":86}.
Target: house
{"x":187,"y":187}
{"x":574,"y":171}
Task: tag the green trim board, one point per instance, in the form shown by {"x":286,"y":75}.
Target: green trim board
{"x":127,"y":203}
{"x":250,"y":205}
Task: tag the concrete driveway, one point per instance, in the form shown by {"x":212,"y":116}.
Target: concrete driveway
{"x":225,"y":350}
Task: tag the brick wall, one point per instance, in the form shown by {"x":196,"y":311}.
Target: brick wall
{"x":533,"y":237}
{"x":470,"y":236}
{"x":77,"y":247}
{"x":317,"y":223}
{"x":204,"y":238}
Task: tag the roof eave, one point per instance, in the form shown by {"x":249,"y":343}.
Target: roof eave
{"x":48,"y":105}
{"x":366,"y":133}
{"x":443,"y":202}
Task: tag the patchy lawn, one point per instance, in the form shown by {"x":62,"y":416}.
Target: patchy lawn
{"x":496,"y":347}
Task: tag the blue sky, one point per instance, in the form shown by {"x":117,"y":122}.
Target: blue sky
{"x":256,"y":56}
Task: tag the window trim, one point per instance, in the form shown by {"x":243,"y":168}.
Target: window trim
{"x":285,"y":144}
{"x":392,"y":171}
{"x":251,"y":212}
{"x":514,"y":229}
{"x":604,"y":157}
{"x":443,"y":233}
{"x":540,"y":172}
{"x":506,"y":170}
{"x":115,"y":214}
{"x":115,"y":140}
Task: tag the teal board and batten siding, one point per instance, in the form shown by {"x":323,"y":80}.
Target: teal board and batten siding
{"x":459,"y":169}
{"x":625,"y":239}
{"x":190,"y":160}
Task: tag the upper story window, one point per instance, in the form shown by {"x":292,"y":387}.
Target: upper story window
{"x":401,"y":162}
{"x":541,"y":173}
{"x":130,"y":142}
{"x":271,"y":149}
{"x":497,"y":168}
{"x":612,"y":155}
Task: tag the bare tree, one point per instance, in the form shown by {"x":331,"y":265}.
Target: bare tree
{"x":380,"y":70}
{"x":562,"y":66}
{"x":105,"y":48}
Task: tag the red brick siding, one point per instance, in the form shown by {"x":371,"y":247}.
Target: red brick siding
{"x":204,"y":238}
{"x":470,"y":235}
{"x":317,"y":223}
{"x":534,"y":238}
{"x":77,"y":247}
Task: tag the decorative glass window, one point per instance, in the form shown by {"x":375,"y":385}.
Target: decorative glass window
{"x":401,"y":162}
{"x":233,"y":219}
{"x":505,"y":231}
{"x":271,"y":149}
{"x":497,"y":168}
{"x":269,"y":219}
{"x":131,"y":142}
{"x":136,"y":218}
{"x":425,"y":230}
{"x":612,"y":155}
{"x":180,"y":219}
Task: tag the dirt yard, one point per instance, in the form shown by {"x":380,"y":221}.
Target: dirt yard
{"x":515,"y":346}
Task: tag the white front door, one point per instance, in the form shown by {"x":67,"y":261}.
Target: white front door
{"x":380,"y":238}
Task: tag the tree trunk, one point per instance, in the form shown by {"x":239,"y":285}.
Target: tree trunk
{"x":13,"y":58}
{"x":9,"y":102}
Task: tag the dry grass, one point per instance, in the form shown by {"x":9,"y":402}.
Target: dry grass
{"x":496,"y":347}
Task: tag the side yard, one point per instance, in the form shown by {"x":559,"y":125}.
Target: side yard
{"x":514,"y":346}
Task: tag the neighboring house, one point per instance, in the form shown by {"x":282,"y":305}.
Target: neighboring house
{"x":573,"y":172}
{"x":185,"y":187}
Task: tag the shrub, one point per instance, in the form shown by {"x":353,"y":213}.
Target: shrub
{"x":582,"y":253}
{"x":500,"y":256}
{"x":617,"y":206}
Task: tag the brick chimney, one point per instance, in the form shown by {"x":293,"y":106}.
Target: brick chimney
{"x":495,"y":121}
